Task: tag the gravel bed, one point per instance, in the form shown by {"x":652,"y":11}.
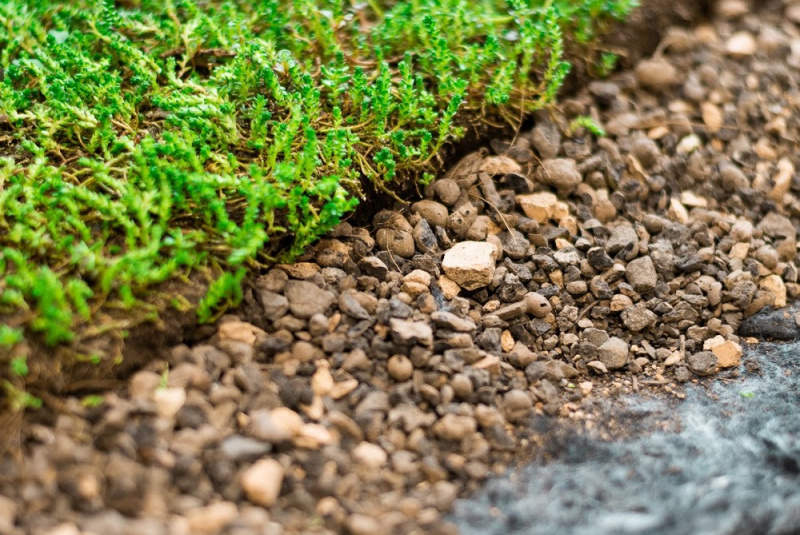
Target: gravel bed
{"x":397,"y":367}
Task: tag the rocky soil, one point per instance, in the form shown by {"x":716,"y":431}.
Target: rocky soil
{"x":395,"y":368}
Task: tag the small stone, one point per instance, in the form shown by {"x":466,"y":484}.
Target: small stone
{"x":400,"y":242}
{"x":373,"y":267}
{"x":400,"y":368}
{"x":358,"y":524}
{"x":499,"y":165}
{"x":538,"y":206}
{"x":274,"y":304}
{"x":641,"y":274}
{"x":454,"y":427}
{"x":712,"y":117}
{"x":370,"y":455}
{"x":411,"y":332}
{"x":307,"y":299}
{"x":741,"y":44}
{"x":239,"y":331}
{"x":703,"y":363}
{"x":613,"y":353}
{"x":621,"y":237}
{"x":776,"y":286}
{"x":620,"y":302}
{"x":447,"y":191}
{"x":597,"y":367}
{"x":434,"y":213}
{"x":656,"y":74}
{"x":537,"y":305}
{"x":262,"y":482}
{"x":507,"y":341}
{"x":470,"y":264}
{"x":212,"y":518}
{"x":169,"y":401}
{"x":322,"y":381}
{"x":350,"y":306}
{"x":546,"y":139}
{"x":561,"y":173}
{"x":727,"y":352}
{"x":638,"y":318}
{"x":449,"y":287}
{"x":274,"y":426}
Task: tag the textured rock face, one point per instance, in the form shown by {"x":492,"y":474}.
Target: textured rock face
{"x":470,"y":264}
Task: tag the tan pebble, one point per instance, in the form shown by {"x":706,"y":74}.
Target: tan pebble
{"x":538,"y":206}
{"x":300,"y":270}
{"x":212,"y":518}
{"x":764,"y":149}
{"x":490,"y":363}
{"x":620,"y":302}
{"x":499,"y":165}
{"x":418,"y":276}
{"x":712,"y":117}
{"x":169,"y":401}
{"x":739,"y":251}
{"x":586,"y":387}
{"x":677,"y":212}
{"x":673,"y":359}
{"x":400,"y":368}
{"x":741,"y":44}
{"x":240,"y":331}
{"x":728,"y":353}
{"x":414,"y":289}
{"x":782,"y":180}
{"x":689,"y":198}
{"x":341,"y":389}
{"x":312,"y":436}
{"x":322,"y":381}
{"x":449,"y":287}
{"x":262,"y":482}
{"x":470,"y":264}
{"x":370,"y":455}
{"x":537,"y":304}
{"x":776,"y":286}
{"x":507,"y":341}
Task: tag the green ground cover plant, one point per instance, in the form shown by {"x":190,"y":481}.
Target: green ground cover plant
{"x":142,"y":141}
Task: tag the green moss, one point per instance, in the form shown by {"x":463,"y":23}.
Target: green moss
{"x":143,"y":140}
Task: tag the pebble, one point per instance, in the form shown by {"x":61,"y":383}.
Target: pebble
{"x":470,"y":264}
{"x":454,"y":427}
{"x":613,"y":353}
{"x":656,"y":74}
{"x":262,"y":482}
{"x":370,"y":455}
{"x":641,"y":274}
{"x":411,"y":332}
{"x":307,"y":299}
{"x":703,"y":363}
{"x":741,"y":44}
{"x":400,"y":368}
{"x":560,"y":173}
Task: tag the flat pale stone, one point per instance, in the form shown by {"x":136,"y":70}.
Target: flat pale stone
{"x":470,"y":264}
{"x":538,"y":206}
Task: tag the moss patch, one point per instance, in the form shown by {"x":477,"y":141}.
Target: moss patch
{"x":142,"y":141}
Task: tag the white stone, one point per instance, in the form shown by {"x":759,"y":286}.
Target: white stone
{"x":470,"y":264}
